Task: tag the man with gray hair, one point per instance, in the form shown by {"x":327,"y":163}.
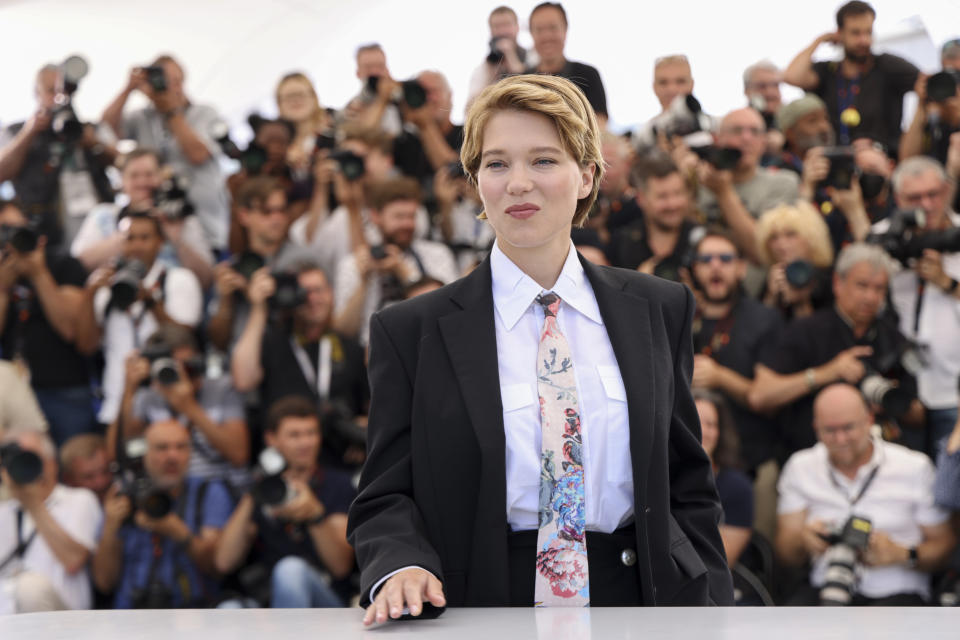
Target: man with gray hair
{"x":925,"y":295}
{"x":49,"y":530}
{"x":853,"y":341}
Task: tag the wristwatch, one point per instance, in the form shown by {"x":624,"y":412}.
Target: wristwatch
{"x":912,"y":551}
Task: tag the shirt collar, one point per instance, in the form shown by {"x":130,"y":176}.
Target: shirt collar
{"x":514,"y":290}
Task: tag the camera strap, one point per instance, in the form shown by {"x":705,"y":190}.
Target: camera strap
{"x":863,"y":490}
{"x":918,"y":308}
{"x":319,"y":378}
{"x":22,"y":545}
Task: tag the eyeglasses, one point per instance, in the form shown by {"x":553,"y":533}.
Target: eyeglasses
{"x":707,"y":258}
{"x":739,"y":131}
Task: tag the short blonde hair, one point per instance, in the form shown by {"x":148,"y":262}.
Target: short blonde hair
{"x":551,"y":96}
{"x":806,"y":221}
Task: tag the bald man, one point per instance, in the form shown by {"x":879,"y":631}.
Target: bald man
{"x":48,"y":534}
{"x":852,"y":471}
{"x":737,"y":197}
{"x":163,"y":562}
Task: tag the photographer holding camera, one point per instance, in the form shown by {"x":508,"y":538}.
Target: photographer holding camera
{"x":506,"y":56}
{"x":429,"y":140}
{"x":374,"y":108}
{"x":375,"y":276}
{"x":303,"y":538}
{"x":99,"y":240}
{"x":737,"y":195}
{"x":183,"y":133}
{"x":57,"y":165}
{"x":40,"y":294}
{"x":937,"y":116}
{"x":660,"y":240}
{"x":925,"y":295}
{"x":855,"y":341}
{"x":49,"y":530}
{"x":296,"y":351}
{"x":163,"y":562}
{"x":885,"y":491}
{"x":263,"y":213}
{"x":167,"y":380}
{"x":126,"y":303}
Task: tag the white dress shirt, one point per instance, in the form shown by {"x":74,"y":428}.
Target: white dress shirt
{"x":601,"y":396}
{"x":898,"y":502}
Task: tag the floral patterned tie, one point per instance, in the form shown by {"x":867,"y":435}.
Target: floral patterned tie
{"x":562,"y":574}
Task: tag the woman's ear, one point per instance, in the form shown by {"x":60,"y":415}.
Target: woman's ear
{"x":586,"y":180}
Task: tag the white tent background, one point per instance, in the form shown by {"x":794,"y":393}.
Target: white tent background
{"x":235,"y":50}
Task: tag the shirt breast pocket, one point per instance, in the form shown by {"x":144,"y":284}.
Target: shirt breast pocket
{"x":617,"y":441}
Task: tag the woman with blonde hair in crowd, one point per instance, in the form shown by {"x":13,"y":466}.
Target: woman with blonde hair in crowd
{"x":297,"y":102}
{"x":793,"y":242}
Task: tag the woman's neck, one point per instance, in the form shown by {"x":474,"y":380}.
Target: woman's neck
{"x":543,"y":264}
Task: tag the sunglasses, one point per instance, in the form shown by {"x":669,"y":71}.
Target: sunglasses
{"x":707,"y":258}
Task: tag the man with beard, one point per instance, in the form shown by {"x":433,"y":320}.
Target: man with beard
{"x":863,"y":92}
{"x":731,"y":333}
{"x":658,"y":240}
{"x":163,"y":562}
{"x":373,"y":277}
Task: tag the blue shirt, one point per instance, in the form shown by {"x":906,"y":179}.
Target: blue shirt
{"x":175,"y":569}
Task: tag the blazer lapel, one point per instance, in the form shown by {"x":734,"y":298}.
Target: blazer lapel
{"x":471,"y":342}
{"x":627,"y":320}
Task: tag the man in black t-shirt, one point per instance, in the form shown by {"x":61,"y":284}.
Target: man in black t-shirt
{"x":297,"y":352}
{"x":432,"y":142}
{"x":302,"y":540}
{"x":863,"y":91}
{"x":731,"y":333}
{"x":548,"y":26}
{"x":848,"y":342}
{"x":40,"y":292}
{"x":660,"y":239}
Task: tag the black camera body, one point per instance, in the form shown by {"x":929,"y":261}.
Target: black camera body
{"x":904,"y":239}
{"x":156,"y":78}
{"x":288,"y":294}
{"x":21,"y":239}
{"x":799,"y":273}
{"x":943,"y":86}
{"x":352,"y":166}
{"x":495,"y":56}
{"x":269,"y":487}
{"x":171,"y":201}
{"x":125,"y":283}
{"x":721,"y":158}
{"x":64,"y":122}
{"x":247,"y":263}
{"x":23,"y":466}
{"x":843,"y":168}
{"x":136,"y":484}
{"x":843,"y":557}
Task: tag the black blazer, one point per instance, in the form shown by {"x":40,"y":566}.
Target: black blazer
{"x":433,"y":490}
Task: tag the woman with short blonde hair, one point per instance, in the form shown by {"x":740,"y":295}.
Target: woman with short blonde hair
{"x":514,"y":453}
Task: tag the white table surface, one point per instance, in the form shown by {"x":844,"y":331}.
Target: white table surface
{"x":781,"y":623}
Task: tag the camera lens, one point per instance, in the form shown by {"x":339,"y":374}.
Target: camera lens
{"x":23,"y":466}
{"x":941,"y":86}
{"x":155,"y":504}
{"x":414,"y":94}
{"x":799,"y":273}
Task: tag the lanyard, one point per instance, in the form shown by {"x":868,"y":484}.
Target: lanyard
{"x":863,"y":489}
{"x":22,"y":545}
{"x":318,"y":378}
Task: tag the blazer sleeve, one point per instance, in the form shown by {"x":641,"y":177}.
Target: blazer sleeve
{"x":694,"y":503}
{"x":385,"y":525}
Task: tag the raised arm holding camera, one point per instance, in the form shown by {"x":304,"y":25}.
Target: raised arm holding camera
{"x":126,"y":303}
{"x":52,"y":530}
{"x":302,"y":528}
{"x":183,"y":133}
{"x":57,"y":164}
{"x":40,"y":295}
{"x":157,"y":553}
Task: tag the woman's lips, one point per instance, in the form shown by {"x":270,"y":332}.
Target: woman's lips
{"x":522,"y":211}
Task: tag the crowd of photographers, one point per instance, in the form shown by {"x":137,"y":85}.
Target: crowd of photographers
{"x":183,"y":383}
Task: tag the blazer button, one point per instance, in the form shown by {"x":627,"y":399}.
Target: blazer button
{"x":648,"y":511}
{"x":628,"y":557}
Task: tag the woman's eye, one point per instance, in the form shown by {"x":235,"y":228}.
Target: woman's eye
{"x":494,"y":164}
{"x":545,"y":161}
